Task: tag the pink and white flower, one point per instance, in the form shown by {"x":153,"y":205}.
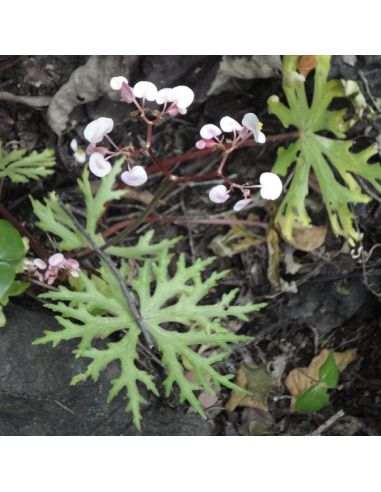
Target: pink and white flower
{"x":179,"y":98}
{"x":145,"y":90}
{"x":116,"y":83}
{"x":251,"y":122}
{"x":182,"y":96}
{"x":229,"y":125}
{"x":219,"y":194}
{"x":121,"y":84}
{"x":135,"y":176}
{"x":209,"y":136}
{"x":59,"y":264}
{"x":98,"y":165}
{"x":271,"y":186}
{"x":163,"y":96}
{"x":241,"y":204}
{"x":97,"y":129}
{"x":79,"y":153}
{"x":35,"y":268}
{"x":250,"y":125}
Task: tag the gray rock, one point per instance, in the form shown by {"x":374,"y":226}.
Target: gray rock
{"x":36,"y":397}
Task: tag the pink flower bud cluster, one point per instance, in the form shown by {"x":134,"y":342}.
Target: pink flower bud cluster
{"x":58,"y":267}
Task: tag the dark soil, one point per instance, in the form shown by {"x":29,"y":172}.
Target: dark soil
{"x":337,"y":304}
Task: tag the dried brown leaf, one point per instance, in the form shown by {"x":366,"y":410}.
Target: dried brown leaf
{"x":273,"y":249}
{"x":255,"y":379}
{"x":306,"y":238}
{"x":237,"y":240}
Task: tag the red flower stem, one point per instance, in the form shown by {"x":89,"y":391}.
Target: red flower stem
{"x":197,"y":154}
{"x":39,"y":250}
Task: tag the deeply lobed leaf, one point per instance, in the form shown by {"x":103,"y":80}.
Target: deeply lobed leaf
{"x":175,"y":317}
{"x":331,"y":160}
{"x":21,"y":168}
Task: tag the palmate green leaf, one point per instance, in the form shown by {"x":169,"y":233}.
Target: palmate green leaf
{"x":330,"y":159}
{"x":175,"y":316}
{"x":54,"y":220}
{"x":21,"y":168}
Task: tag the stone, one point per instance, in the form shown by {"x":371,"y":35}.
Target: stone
{"x":36,"y":397}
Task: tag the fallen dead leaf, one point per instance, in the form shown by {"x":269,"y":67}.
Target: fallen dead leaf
{"x":273,"y":249}
{"x":255,"y":379}
{"x":255,"y":422}
{"x":237,"y":240}
{"x":207,"y":400}
{"x":273,"y":273}
{"x":306,"y":64}
{"x":306,"y":238}
{"x":301,"y":378}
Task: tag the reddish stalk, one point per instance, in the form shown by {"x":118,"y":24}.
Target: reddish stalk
{"x":197,"y":154}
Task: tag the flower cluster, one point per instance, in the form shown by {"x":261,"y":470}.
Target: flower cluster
{"x":174,"y":101}
{"x":251,"y":126}
{"x":211,"y":135}
{"x":270,"y":188}
{"x":58,"y":267}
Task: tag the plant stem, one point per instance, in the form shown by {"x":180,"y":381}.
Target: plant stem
{"x":130,"y":300}
{"x":196,"y":154}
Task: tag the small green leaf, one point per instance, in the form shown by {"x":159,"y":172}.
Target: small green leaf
{"x":7,"y":274}
{"x":11,"y":246}
{"x":329,"y":372}
{"x":12,"y":251}
{"x":312,"y":400}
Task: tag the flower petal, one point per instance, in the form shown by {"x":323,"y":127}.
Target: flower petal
{"x":163,"y":96}
{"x":80,"y":156}
{"x":182,"y":96}
{"x":241,"y":204}
{"x":72,"y":264}
{"x":228,"y":124}
{"x":210,"y":131}
{"x":40,"y":264}
{"x":56,"y":260}
{"x":74,"y":145}
{"x":117,"y":82}
{"x":146,"y":90}
{"x":97,"y":129}
{"x":98,"y":165}
{"x":251,"y":122}
{"x":260,"y":137}
{"x":219,"y":194}
{"x":136,"y":176}
{"x":271,"y":186}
